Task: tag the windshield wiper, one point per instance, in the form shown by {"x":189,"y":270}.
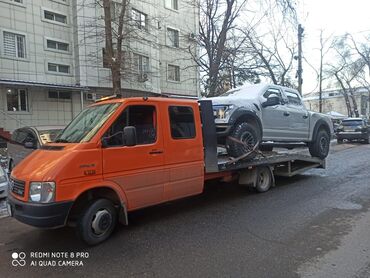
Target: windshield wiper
{"x":61,"y":141}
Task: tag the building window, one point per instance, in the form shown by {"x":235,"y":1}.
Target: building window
{"x":141,"y":64}
{"x":173,"y":73}
{"x":18,"y":1}
{"x":62,"y":46}
{"x":172,"y":4}
{"x":14,"y":45}
{"x":182,"y":122}
{"x":17,"y":99}
{"x":173,"y":37}
{"x":60,"y":94}
{"x":140,"y":19}
{"x":55,"y":17}
{"x":58,"y":68}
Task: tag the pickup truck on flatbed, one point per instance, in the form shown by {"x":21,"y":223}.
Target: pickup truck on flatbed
{"x":120,"y":155}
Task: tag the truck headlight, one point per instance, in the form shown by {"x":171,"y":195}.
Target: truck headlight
{"x":222,"y":111}
{"x":42,"y":192}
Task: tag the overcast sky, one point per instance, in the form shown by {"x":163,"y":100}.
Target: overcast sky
{"x":335,"y":17}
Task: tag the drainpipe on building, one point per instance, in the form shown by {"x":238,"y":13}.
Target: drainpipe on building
{"x":82,"y":99}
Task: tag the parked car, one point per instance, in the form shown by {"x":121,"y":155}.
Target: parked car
{"x":26,"y":139}
{"x":259,"y":113}
{"x":3,"y":183}
{"x":353,"y":129}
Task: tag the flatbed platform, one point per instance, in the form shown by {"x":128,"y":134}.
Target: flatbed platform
{"x":284,"y":163}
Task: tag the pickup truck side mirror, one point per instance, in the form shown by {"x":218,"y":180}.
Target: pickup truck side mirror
{"x":129,"y":136}
{"x":271,"y":100}
{"x":30,"y":145}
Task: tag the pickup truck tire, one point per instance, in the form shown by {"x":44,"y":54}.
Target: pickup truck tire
{"x":321,"y":144}
{"x":245,"y":133}
{"x":340,"y":141}
{"x":97,"y":221}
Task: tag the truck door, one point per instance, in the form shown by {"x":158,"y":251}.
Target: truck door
{"x":275,"y":119}
{"x":299,"y":118}
{"x":184,"y":151}
{"x":137,"y":169}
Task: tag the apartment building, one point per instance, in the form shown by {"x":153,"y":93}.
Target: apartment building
{"x":52,"y":56}
{"x":334,"y":101}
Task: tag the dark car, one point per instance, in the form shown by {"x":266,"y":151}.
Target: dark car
{"x":26,"y":139}
{"x":353,"y":129}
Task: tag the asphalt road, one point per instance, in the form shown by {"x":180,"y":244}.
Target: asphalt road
{"x":312,"y":225}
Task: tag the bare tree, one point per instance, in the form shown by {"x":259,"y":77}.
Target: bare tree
{"x":217,"y":19}
{"x":114,"y":55}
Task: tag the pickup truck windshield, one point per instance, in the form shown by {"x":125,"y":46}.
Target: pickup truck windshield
{"x":87,"y":123}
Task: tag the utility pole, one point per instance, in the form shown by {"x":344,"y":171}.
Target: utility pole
{"x":299,"y":71}
{"x":320,"y":73}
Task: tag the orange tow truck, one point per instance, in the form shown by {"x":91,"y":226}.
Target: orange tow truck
{"x":120,"y":155}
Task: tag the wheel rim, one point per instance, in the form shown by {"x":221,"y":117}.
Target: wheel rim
{"x":263,"y":180}
{"x":101,"y":223}
{"x":323,"y":145}
{"x":248,"y":141}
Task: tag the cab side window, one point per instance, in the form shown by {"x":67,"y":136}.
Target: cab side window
{"x":142,"y":117}
{"x":182,"y":122}
{"x":293,"y":98}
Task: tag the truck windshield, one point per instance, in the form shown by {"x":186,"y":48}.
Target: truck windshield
{"x":87,"y":123}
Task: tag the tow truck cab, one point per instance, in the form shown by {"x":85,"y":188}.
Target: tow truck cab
{"x":114,"y":157}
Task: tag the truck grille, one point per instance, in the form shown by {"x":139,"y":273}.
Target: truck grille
{"x":17,"y":187}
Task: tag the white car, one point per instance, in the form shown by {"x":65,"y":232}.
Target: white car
{"x":252,"y":115}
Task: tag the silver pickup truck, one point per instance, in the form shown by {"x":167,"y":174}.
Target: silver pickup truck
{"x":252,"y":115}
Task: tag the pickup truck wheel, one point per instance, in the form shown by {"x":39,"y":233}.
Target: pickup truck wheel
{"x":321,"y":144}
{"x":340,"y":141}
{"x":97,"y":221}
{"x":246,"y":133}
{"x":264,"y":179}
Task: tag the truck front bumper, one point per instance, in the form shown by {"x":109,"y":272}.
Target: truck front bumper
{"x":223,"y":130}
{"x":51,"y":215}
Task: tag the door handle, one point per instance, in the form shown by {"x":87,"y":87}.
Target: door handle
{"x":155,"y":152}
{"x":305,"y":116}
{"x":286,"y":113}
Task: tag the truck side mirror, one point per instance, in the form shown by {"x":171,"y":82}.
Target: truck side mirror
{"x":272,"y":100}
{"x":129,"y":136}
{"x":30,"y":145}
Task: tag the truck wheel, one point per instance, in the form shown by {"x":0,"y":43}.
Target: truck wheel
{"x":97,"y":221}
{"x":367,"y":141}
{"x":340,"y":141}
{"x":246,"y":133}
{"x":321,"y":144}
{"x":264,"y":179}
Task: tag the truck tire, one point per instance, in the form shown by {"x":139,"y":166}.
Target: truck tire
{"x":97,"y":221}
{"x":321,"y":145}
{"x":340,"y":141}
{"x":245,"y":133}
{"x":367,"y":141}
{"x":264,"y":179}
